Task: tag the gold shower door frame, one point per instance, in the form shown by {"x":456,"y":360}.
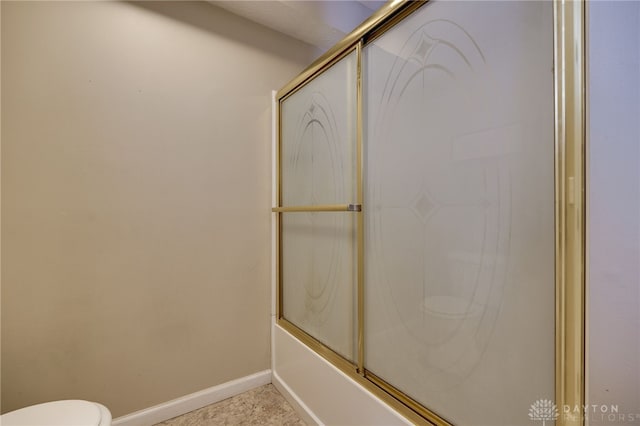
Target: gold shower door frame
{"x":569,"y":94}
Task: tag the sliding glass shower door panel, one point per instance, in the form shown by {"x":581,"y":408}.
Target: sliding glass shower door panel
{"x":459,"y":197}
{"x":318,"y":167}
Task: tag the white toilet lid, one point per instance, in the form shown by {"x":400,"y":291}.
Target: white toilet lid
{"x":58,"y":413}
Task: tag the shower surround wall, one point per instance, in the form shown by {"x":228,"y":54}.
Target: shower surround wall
{"x":614,"y":210}
{"x":135,"y":186}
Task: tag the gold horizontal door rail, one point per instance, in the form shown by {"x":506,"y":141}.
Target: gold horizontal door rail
{"x":319,"y":208}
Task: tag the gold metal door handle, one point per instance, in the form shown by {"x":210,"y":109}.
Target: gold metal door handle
{"x":319,"y":208}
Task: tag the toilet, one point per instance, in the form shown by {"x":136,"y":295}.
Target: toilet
{"x":59,"y":413}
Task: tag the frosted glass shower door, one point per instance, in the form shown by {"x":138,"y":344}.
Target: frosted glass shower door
{"x":459,"y":209}
{"x":318,"y":170}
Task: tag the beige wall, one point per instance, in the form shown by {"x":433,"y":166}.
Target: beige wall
{"x":135,"y":199}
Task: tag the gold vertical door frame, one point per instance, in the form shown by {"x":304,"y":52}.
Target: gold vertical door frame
{"x":569,"y":34}
{"x":360,"y":218}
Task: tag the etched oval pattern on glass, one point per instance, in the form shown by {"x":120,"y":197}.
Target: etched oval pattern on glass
{"x":453,"y":130}
{"x":318,"y":168}
{"x":453,"y":202}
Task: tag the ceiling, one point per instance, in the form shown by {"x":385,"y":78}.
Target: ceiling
{"x":319,"y":23}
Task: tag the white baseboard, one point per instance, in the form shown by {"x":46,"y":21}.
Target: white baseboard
{"x":294,"y":400}
{"x":187,"y":403}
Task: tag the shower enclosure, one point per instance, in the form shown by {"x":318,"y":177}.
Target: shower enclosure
{"x":430,"y":234}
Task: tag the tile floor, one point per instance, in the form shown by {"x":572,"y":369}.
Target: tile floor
{"x":259,"y":406}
